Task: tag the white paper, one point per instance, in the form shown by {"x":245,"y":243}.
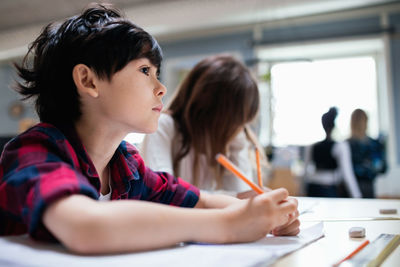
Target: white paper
{"x":306,"y":205}
{"x":22,"y":251}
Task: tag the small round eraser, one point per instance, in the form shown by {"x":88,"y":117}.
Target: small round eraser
{"x":357,"y":232}
{"x":388,"y":211}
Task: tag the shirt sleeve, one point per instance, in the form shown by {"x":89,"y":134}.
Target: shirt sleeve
{"x":163,"y":187}
{"x":341,"y":151}
{"x":156,"y":148}
{"x":308,"y":164}
{"x":171,"y":190}
{"x":35,"y":176}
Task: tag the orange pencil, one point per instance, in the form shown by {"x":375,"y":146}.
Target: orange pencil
{"x":231,"y":167}
{"x":360,"y":247}
{"x":260,"y":183}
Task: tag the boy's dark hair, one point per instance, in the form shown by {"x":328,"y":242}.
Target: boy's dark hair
{"x":100,"y":38}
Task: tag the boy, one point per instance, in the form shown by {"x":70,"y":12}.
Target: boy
{"x":95,"y":79}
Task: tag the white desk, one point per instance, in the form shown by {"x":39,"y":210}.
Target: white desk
{"x":336,"y":244}
{"x":338,"y":216}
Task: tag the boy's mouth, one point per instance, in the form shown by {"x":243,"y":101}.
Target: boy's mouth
{"x":158,"y":108}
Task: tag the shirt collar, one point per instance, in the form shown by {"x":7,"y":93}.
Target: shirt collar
{"x":73,"y":138}
{"x":124,"y":169}
{"x":122,"y":166}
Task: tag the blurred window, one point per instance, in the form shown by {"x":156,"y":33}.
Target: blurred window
{"x":303,"y":91}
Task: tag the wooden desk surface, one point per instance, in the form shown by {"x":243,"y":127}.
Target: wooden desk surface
{"x":337,"y":244}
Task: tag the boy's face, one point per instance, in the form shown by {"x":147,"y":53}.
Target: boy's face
{"x":133,"y":97}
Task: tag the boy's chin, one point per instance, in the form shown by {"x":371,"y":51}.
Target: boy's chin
{"x":150,"y":130}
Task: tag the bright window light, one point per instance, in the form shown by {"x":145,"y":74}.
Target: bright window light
{"x":303,"y":91}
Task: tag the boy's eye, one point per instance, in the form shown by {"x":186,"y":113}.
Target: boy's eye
{"x":145,"y":70}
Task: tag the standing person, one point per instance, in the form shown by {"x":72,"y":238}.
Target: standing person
{"x":94,"y":79}
{"x":367,"y":154}
{"x":209,"y":114}
{"x":332,"y":161}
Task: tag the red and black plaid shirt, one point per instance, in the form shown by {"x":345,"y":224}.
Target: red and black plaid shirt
{"x":47,"y":163}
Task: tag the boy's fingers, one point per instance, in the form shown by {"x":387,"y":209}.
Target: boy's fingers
{"x":278,"y":195}
{"x":288,"y":207}
{"x":290,"y":231}
{"x":287,"y":229}
{"x":293,"y":216}
{"x":287,"y":233}
{"x":294,"y":200}
{"x":293,"y":224}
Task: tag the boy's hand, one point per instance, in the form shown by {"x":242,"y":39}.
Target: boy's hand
{"x":253,"y":218}
{"x":250,"y":193}
{"x":293,"y":224}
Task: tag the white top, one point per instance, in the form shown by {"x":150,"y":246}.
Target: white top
{"x":341,"y":152}
{"x":157,"y":154}
{"x":106,"y":197}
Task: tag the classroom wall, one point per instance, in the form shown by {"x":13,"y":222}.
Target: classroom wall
{"x":8,"y":124}
{"x":352,"y":27}
{"x":394,"y":20}
{"x":239,"y":41}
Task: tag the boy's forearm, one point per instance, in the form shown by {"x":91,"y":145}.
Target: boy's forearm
{"x":214,"y":201}
{"x":161,"y":225}
{"x":89,"y":227}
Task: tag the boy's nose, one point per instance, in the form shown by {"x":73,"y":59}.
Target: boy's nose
{"x":161,"y":90}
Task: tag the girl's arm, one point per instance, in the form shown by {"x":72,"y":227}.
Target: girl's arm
{"x":87,"y":226}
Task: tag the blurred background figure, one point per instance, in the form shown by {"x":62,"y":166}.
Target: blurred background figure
{"x":332,"y":165}
{"x":367,"y":154}
{"x":209,"y":114}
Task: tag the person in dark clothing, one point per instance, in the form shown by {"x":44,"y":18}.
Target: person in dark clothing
{"x":332,"y":164}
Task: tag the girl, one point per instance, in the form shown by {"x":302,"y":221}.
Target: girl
{"x":367,"y":154}
{"x":209,"y":114}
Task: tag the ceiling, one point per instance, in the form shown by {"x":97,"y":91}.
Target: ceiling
{"x":161,"y":17}
{"x":20,"y":13}
{"x":22,"y":20}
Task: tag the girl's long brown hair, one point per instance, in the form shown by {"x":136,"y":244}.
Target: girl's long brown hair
{"x":214,"y":102}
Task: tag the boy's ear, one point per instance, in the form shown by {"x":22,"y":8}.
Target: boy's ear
{"x":84,"y":79}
